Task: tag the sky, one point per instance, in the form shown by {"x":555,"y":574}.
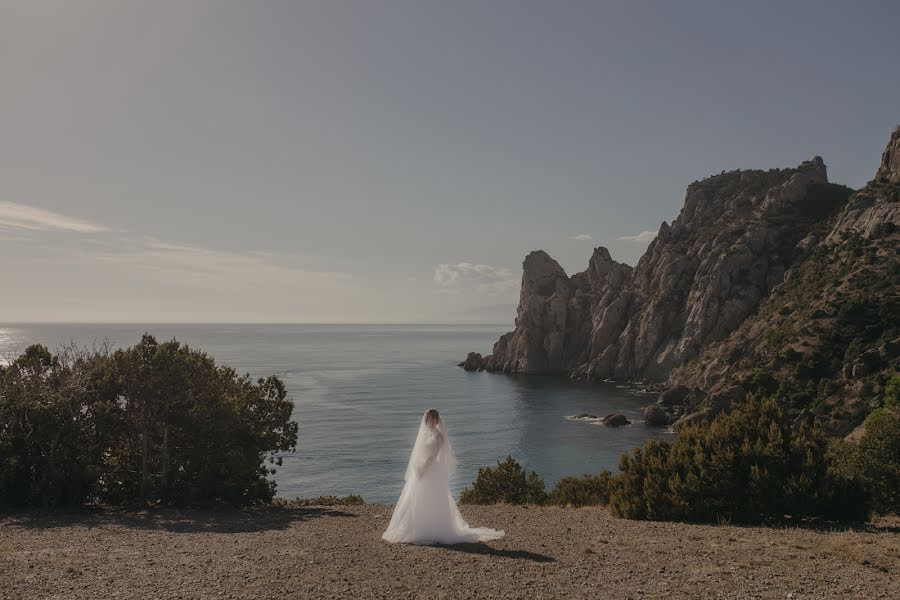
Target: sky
{"x":394,"y":161}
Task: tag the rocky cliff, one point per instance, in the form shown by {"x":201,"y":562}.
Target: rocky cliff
{"x":826,"y":339}
{"x":753,"y":256}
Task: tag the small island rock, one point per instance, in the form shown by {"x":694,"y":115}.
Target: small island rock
{"x":615,"y":421}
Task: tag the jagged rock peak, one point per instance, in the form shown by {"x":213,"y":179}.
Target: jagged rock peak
{"x":601,"y":255}
{"x":875,"y":209}
{"x":889,"y":171}
{"x":817,"y":165}
{"x":538,"y":261}
{"x":796,"y":187}
{"x":539,"y":273}
{"x":604,"y":274}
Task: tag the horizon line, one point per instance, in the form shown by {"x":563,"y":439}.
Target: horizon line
{"x":20,"y":323}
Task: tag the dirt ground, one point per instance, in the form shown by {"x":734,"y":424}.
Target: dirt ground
{"x":322,"y":552}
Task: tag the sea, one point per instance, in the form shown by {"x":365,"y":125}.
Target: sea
{"x":359,"y":392}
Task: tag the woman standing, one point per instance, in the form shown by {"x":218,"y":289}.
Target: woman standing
{"x":426,"y":512}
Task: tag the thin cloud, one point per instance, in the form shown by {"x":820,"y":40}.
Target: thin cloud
{"x":30,"y":218}
{"x":482,"y":279}
{"x":644,"y":237}
{"x":204,"y":267}
{"x":581,"y":237}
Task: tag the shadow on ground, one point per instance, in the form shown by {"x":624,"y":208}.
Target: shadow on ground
{"x":881,"y":525}
{"x":489,"y":551}
{"x":177,"y":521}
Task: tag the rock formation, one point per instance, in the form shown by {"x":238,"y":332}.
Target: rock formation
{"x":556,"y":320}
{"x":827,"y":338}
{"x":709,"y":290}
{"x":698,"y":280}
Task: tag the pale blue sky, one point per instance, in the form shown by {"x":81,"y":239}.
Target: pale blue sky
{"x":321,"y":161}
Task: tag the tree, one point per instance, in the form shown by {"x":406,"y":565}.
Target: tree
{"x":158,"y":423}
{"x":874,"y":460}
{"x":54,"y":411}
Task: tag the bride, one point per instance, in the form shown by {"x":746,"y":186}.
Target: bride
{"x":426,"y":512}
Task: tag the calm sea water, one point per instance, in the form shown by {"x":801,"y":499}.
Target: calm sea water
{"x":360,"y":390}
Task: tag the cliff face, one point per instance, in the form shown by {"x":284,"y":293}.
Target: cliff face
{"x":702,"y":276}
{"x":709,"y":288}
{"x":877,"y":203}
{"x":558,"y":315}
{"x":827,"y":338}
{"x":698,"y":280}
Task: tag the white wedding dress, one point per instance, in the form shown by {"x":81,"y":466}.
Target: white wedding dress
{"x":426,"y":512}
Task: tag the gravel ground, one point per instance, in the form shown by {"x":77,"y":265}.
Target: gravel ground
{"x":337,"y":553}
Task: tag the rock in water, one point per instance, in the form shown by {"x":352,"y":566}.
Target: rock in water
{"x":615,"y":421}
{"x":655,"y":416}
{"x":473,"y":362}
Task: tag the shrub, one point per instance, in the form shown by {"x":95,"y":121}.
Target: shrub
{"x":639,"y":491}
{"x":351,"y":500}
{"x":587,"y":490}
{"x":749,"y":466}
{"x":892,"y":392}
{"x":155,"y":423}
{"x":875,"y":459}
{"x":508,"y":482}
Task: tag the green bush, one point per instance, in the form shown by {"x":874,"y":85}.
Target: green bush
{"x":750,"y":466}
{"x":892,"y":392}
{"x":508,"y":483}
{"x":152,"y":424}
{"x":587,"y":490}
{"x":55,"y":414}
{"x":351,"y":500}
{"x":875,"y":459}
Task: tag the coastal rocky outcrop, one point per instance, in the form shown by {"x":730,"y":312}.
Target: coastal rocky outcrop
{"x":825,"y":340}
{"x":555,"y":321}
{"x":709,"y":301}
{"x":698,"y":280}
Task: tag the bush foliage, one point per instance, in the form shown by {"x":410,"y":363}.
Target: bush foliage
{"x":892,"y":392}
{"x":351,"y":500}
{"x":157,"y":423}
{"x":587,"y":490}
{"x":510,"y":483}
{"x":875,"y":459}
{"x":750,"y":466}
{"x":507,"y":483}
